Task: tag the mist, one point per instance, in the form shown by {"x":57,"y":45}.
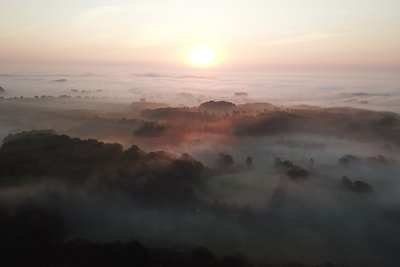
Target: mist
{"x":262,"y":179}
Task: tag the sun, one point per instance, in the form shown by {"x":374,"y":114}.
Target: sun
{"x":202,"y":56}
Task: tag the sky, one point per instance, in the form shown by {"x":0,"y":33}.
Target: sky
{"x":341,"y":33}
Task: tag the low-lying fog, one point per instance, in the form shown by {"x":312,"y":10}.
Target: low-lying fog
{"x":378,"y":90}
{"x":277,"y":182}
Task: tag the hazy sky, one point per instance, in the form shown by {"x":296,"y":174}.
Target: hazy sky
{"x":243,"y":32}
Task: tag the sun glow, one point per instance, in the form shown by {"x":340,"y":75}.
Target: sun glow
{"x":202,"y":56}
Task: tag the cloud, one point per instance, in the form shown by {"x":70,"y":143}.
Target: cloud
{"x":302,"y":38}
{"x":93,"y":15}
{"x":16,"y":32}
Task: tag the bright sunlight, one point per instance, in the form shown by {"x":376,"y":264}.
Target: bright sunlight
{"x":202,"y":56}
